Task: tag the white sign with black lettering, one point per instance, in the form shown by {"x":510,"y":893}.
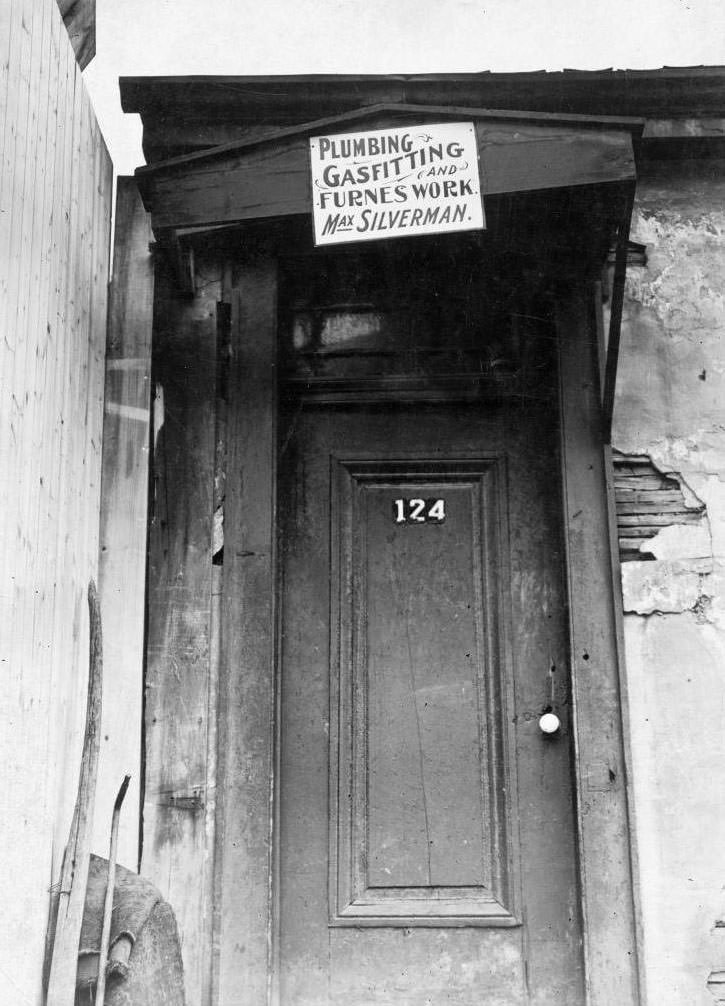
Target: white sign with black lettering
{"x":395,"y":182}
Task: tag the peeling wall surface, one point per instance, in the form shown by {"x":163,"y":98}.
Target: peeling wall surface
{"x":671,"y":407}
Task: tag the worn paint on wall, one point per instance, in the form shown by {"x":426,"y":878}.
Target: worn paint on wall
{"x":670,"y":406}
{"x":55,"y":188}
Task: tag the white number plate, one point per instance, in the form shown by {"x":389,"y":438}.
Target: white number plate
{"x":419,"y":511}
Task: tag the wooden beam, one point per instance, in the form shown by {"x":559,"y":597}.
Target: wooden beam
{"x":176,"y":137}
{"x":691,"y":128}
{"x":531,"y":157}
{"x":180,"y":257}
{"x":356,"y":119}
{"x":615,"y":318}
{"x":246,"y":699}
{"x":664,"y":92}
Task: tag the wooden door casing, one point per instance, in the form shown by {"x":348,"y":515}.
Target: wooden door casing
{"x":245,"y":906}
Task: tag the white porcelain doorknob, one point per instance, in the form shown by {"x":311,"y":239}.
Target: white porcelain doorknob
{"x":549,"y":723}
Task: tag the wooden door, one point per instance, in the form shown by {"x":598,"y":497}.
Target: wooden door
{"x":426,"y":847}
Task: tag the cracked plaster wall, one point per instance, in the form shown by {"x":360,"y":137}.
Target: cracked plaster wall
{"x":671,"y":406}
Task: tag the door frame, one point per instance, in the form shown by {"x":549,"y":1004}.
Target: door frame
{"x":245,"y":898}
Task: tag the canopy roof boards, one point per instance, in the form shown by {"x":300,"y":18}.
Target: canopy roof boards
{"x":264,"y":177}
{"x":183,"y":114}
{"x":561,"y":184}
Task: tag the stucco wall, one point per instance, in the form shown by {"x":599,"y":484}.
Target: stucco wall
{"x":671,"y":405}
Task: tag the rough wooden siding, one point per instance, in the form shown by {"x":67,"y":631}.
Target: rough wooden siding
{"x":55,"y":190}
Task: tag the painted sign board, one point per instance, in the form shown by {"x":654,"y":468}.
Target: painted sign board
{"x":395,"y":183}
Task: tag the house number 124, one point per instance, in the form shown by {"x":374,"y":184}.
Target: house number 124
{"x":418,"y":511}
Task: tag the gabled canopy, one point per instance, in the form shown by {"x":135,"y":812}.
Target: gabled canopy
{"x":268,"y":177}
{"x":564,"y":183}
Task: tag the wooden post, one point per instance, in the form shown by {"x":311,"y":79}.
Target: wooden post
{"x":602,"y":811}
{"x":246,"y":699}
{"x":615,"y":319}
{"x":177,"y":843}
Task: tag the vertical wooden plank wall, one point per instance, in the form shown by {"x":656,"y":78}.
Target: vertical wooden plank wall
{"x":218,"y":885}
{"x":124,"y":504}
{"x":55,"y":193}
{"x":180,"y":738}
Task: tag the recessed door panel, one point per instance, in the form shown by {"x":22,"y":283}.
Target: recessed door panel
{"x":419,"y":828}
{"x":425,"y":831}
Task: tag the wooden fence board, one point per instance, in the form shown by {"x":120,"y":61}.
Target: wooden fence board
{"x":55,"y":184}
{"x":124,"y":499}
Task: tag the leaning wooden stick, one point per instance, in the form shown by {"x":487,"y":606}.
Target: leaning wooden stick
{"x":74,"y":872}
{"x":108,"y":904}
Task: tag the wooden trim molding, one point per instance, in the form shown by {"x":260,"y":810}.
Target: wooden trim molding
{"x":605,"y":856}
{"x":245,"y":852}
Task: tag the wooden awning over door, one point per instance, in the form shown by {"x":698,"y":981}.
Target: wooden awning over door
{"x":542,"y":174}
{"x":268,"y":177}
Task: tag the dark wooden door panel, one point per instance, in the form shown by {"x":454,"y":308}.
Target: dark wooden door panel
{"x":425,"y":833}
{"x":418,"y":828}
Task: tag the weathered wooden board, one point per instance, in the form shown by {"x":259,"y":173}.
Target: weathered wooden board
{"x":80,"y":22}
{"x":55,"y":190}
{"x":604,"y":835}
{"x":264,"y":183}
{"x":176,"y":817}
{"x":529,"y":157}
{"x":71,"y":896}
{"x":271,"y":178}
{"x":170,"y":137}
{"x":124,"y":503}
{"x":659,"y":93}
{"x":246,"y":687}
